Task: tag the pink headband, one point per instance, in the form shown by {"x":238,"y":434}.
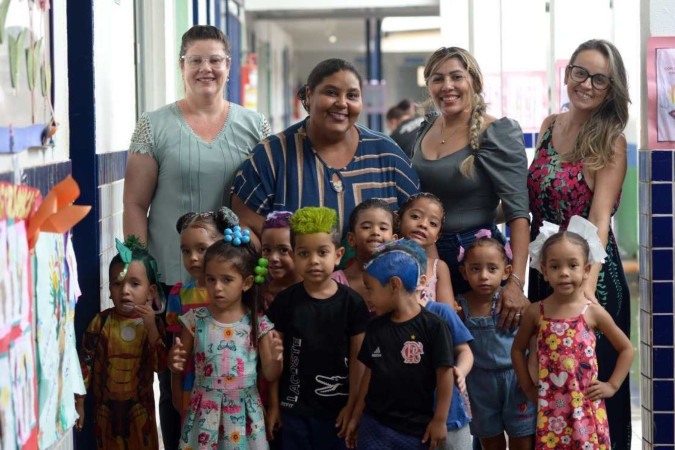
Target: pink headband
{"x":485,"y":233}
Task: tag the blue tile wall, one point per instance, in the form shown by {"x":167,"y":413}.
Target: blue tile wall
{"x":662,"y":360}
{"x":663,"y":396}
{"x":662,"y":297}
{"x":662,"y":231}
{"x":663,"y":428}
{"x":662,"y":265}
{"x":662,"y":326}
{"x":662,"y":166}
{"x":662,"y":198}
{"x":644,"y":165}
{"x":656,"y":224}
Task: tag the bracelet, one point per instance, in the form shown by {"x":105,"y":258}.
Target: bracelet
{"x":518,"y":281}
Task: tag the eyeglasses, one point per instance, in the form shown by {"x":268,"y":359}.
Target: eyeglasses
{"x":215,"y":61}
{"x":598,"y":80}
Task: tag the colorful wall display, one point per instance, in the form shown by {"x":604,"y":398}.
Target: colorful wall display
{"x":39,"y":367}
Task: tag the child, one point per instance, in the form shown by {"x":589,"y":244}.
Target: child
{"x":497,"y":403}
{"x":197,"y":233}
{"x":225,"y":338}
{"x":408,"y":356}
{"x":420,"y":219}
{"x":571,"y":410}
{"x":277,"y":249}
{"x":121,"y":349}
{"x":371,"y":224}
{"x":322,"y":324}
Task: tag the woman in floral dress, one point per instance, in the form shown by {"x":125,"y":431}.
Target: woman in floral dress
{"x":578,"y":169}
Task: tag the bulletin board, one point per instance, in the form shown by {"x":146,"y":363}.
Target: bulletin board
{"x":39,"y":366}
{"x":18,"y":382}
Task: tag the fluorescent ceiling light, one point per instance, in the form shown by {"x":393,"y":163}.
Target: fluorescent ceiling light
{"x":399,"y":24}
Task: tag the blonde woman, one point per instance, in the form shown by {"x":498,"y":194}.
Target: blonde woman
{"x":578,"y":169}
{"x":473,"y":162}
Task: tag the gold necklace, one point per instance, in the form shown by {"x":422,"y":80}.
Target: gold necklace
{"x":452,"y":133}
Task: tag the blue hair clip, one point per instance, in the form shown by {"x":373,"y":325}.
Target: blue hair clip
{"x":236,"y":236}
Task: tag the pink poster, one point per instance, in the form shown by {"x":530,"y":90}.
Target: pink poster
{"x":661,"y":92}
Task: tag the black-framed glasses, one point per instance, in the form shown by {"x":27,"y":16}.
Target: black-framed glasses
{"x":196,"y":61}
{"x":598,"y":80}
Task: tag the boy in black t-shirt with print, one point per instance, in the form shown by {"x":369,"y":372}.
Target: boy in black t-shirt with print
{"x":322,"y":325}
{"x":408,"y":353}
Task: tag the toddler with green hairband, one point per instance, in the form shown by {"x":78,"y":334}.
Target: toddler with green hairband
{"x":122,"y":348}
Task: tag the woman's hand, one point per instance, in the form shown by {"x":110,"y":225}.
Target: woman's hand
{"x":511,"y":305}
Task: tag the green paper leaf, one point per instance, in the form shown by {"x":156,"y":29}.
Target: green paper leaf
{"x":46,"y":78}
{"x":16,"y":46}
{"x":33,"y":63}
{"x":4,"y":7}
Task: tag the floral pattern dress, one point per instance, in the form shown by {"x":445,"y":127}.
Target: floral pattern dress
{"x":225,"y":410}
{"x":566,"y":419}
{"x":558,"y":191}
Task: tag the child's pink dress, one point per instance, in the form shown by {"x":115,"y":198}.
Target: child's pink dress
{"x":566,"y":419}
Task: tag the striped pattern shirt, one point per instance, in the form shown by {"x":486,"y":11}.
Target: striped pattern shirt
{"x":284,"y":172}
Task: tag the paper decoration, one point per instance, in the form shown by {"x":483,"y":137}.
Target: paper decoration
{"x":18,"y":274}
{"x":7,"y":420}
{"x":55,"y":298}
{"x":48,"y":280}
{"x":5,"y":304}
{"x":22,"y":377}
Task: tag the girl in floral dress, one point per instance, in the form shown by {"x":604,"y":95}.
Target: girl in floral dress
{"x":226,"y":338}
{"x":570,"y":397}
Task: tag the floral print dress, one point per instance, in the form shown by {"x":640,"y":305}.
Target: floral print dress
{"x":225,"y":410}
{"x":558,"y":191}
{"x":566,"y":419}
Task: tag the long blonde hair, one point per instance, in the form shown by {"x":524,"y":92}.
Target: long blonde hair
{"x":595,"y":141}
{"x":478,"y":105}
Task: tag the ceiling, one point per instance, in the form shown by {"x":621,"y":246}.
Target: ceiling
{"x":311,"y":30}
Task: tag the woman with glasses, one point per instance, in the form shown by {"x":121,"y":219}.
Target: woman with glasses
{"x":474,"y":163}
{"x":182,"y":158}
{"x":578,"y":169}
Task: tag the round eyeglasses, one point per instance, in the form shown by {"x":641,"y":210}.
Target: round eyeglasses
{"x":598,"y":80}
{"x":215,"y":61}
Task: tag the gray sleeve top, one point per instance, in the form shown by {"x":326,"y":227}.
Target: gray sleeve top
{"x":500,"y":175}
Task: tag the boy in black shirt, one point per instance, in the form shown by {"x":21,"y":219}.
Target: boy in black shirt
{"x":408,"y":353}
{"x":322,"y":324}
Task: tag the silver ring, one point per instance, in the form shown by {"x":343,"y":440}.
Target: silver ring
{"x":518,"y":314}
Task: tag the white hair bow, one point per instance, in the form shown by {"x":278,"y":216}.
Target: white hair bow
{"x":577,"y":225}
